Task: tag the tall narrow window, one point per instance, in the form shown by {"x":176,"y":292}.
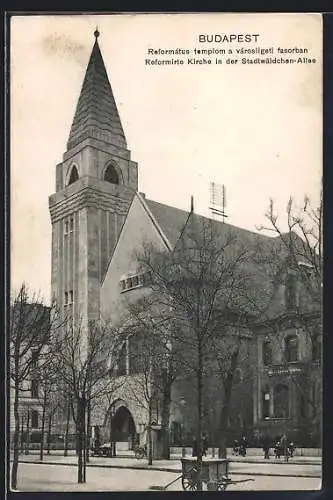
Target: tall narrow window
{"x":34,"y":419}
{"x":111,"y":175}
{"x":265,"y":402}
{"x":267,"y":353}
{"x":291,"y":348}
{"x":122,"y":360}
{"x":135,"y":281}
{"x":74,"y":175}
{"x":302,"y":406}
{"x":281,"y":401}
{"x":316,"y":348}
{"x":34,"y":388}
{"x":290,"y":291}
{"x":34,"y":360}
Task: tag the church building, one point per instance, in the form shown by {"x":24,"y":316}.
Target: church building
{"x":99,"y":218}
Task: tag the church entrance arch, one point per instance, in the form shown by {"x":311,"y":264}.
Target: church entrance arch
{"x":123,"y":427}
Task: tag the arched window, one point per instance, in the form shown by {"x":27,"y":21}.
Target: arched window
{"x":74,"y":175}
{"x":111,"y":175}
{"x":265,"y":402}
{"x":291,"y":348}
{"x":267,"y":352}
{"x":281,"y":401}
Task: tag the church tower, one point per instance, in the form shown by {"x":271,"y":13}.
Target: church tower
{"x":95,"y":184}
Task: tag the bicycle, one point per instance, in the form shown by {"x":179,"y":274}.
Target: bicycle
{"x":140,"y":452}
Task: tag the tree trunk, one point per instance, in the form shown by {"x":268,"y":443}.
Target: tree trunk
{"x":223,"y":431}
{"x":49,"y":433}
{"x":111,"y":437}
{"x":41,"y":453}
{"x":199,"y":427}
{"x":22,"y":435}
{"x":80,"y":428}
{"x":27,"y":440}
{"x":15,"y":439}
{"x":165,"y":418}
{"x":68,"y":415}
{"x":84,"y":441}
{"x":227,"y":388}
{"x":79,"y":452}
{"x":150,"y":443}
{"x":88,"y":434}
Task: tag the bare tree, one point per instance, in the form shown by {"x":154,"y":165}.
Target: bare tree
{"x":141,"y":389}
{"x":48,"y":383}
{"x":302,"y":243}
{"x":194,"y":288}
{"x":149,"y":332}
{"x":85,"y":358}
{"x":296,"y":261}
{"x":29,"y":335}
{"x":229,"y":348}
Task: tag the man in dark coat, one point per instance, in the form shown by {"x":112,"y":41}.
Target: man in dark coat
{"x":204,"y":445}
{"x":243,"y":446}
{"x":266,"y":445}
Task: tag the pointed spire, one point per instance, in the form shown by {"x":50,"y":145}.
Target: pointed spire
{"x":96,"y":114}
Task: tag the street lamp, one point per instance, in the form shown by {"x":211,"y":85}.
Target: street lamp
{"x":112,"y":434}
{"x":182,"y":401}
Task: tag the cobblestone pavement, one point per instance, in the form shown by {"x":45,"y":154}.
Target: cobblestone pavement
{"x":33,"y":477}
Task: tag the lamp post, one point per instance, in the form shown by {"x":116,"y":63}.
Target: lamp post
{"x":165,"y":419}
{"x":112,"y":434}
{"x":182,"y":401}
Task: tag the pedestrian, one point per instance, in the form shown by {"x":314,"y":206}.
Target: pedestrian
{"x":243,"y":446}
{"x":235,"y":449}
{"x":291,"y":448}
{"x":266,"y":446}
{"x":194,"y":447}
{"x":277,"y":448}
{"x":204,"y":445}
{"x":284,"y":446}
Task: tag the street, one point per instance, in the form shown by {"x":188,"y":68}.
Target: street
{"x":36,"y":477}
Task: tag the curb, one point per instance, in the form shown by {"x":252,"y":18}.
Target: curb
{"x":231,"y":460}
{"x":163,"y":469}
{"x":275,"y":462}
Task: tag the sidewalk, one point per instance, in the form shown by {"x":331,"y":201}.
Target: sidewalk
{"x":172,"y":465}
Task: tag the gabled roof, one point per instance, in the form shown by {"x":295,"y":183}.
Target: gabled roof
{"x":170,"y":219}
{"x":96,"y":112}
{"x":261,"y":266}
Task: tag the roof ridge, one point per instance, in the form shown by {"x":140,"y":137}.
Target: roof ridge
{"x":216,"y":222}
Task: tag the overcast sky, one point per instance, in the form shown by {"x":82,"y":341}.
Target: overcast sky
{"x":257,"y":129}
